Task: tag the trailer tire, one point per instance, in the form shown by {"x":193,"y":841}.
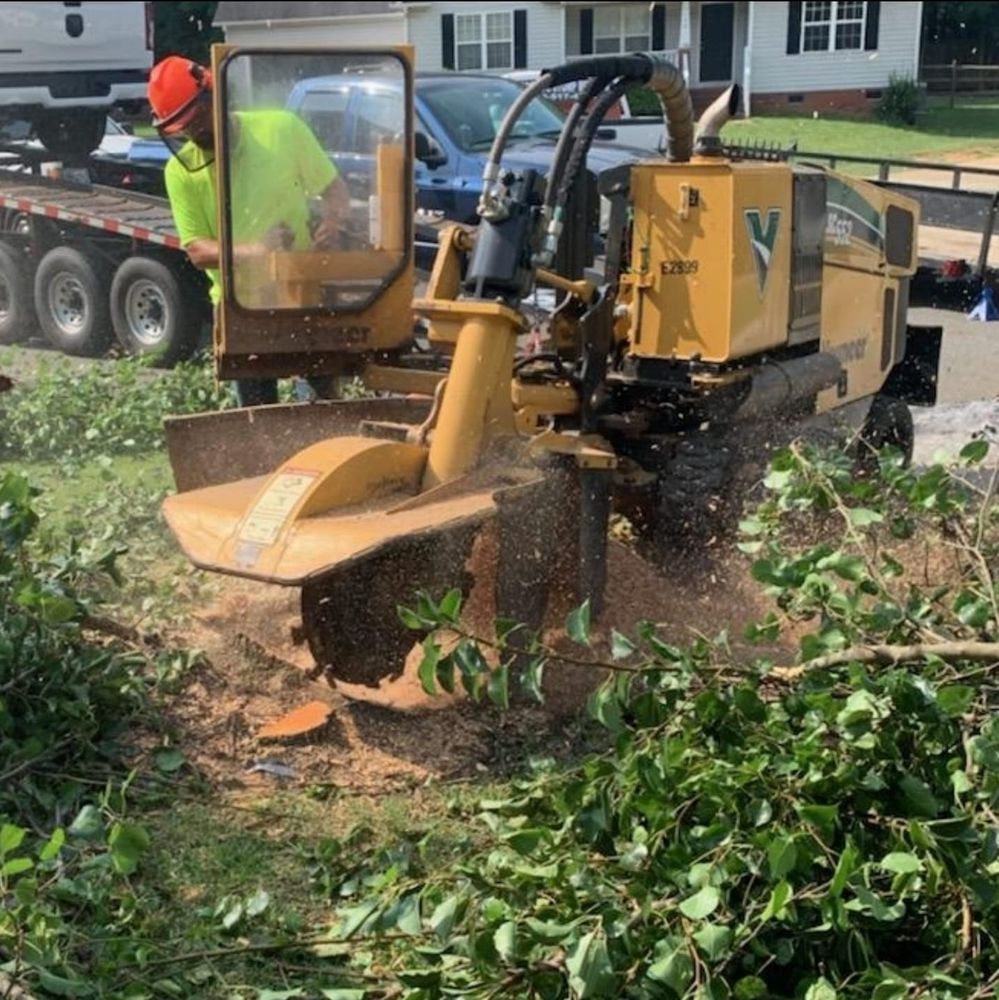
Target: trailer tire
{"x":71,"y":300}
{"x":153,"y":311}
{"x":17,"y":310}
{"x":71,"y":134}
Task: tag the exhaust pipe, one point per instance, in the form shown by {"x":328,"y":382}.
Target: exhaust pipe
{"x":779,"y":385}
{"x":678,"y":110}
{"x":707,"y":142}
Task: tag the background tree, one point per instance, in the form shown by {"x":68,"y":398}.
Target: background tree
{"x":184,"y":29}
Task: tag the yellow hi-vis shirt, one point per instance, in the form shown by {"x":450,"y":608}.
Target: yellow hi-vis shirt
{"x":277,"y":166}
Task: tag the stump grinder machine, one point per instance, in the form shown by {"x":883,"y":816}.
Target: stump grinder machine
{"x":740,"y":297}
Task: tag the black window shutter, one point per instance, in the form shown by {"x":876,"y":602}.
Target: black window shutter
{"x":659,"y":27}
{"x":794,"y":27}
{"x":873,"y":23}
{"x":447,"y":41}
{"x":586,"y":31}
{"x":520,"y":39}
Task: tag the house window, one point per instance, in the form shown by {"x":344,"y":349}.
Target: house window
{"x":622,"y":28}
{"x":484,"y":41}
{"x":829,"y":25}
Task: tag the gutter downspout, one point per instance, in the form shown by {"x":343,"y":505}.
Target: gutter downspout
{"x":747,"y":64}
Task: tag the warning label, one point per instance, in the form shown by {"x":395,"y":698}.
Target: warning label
{"x":264,"y":522}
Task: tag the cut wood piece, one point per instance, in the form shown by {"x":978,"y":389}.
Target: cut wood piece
{"x":301,"y":720}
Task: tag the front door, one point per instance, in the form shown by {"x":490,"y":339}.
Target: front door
{"x":717,"y":27}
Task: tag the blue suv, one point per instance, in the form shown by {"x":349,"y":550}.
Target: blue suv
{"x":457,"y":116}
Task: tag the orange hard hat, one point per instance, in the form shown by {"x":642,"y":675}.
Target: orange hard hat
{"x":175,"y":84}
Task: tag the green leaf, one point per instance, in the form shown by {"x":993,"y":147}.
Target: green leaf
{"x":702,"y":904}
{"x":589,"y":967}
{"x":499,"y":686}
{"x":58,"y":610}
{"x":845,"y":867}
{"x":450,"y":606}
{"x":445,"y":674}
{"x":869,"y":902}
{"x":412,"y":620}
{"x":403,"y":915}
{"x":901,"y":863}
{"x":824,"y":818}
{"x":782,"y":856}
{"x":127,"y":842}
{"x":779,"y":899}
{"x":51,"y":850}
{"x":232,"y":916}
{"x":862,"y":517}
{"x":550,"y":932}
{"x":851,"y":568}
{"x":505,"y":940}
{"x":822,"y":989}
{"x":169,"y":761}
{"x":278,"y":994}
{"x":672,"y":966}
{"x":428,"y":666}
{"x":605,"y":708}
{"x":761,"y":812}
{"x":531,"y":680}
{"x":975,"y":451}
{"x":257,"y":903}
{"x":60,"y":987}
{"x":749,"y":704}
{"x":714,"y":941}
{"x":88,"y":824}
{"x":921,"y":800}
{"x":348,"y":994}
{"x":621,"y":646}
{"x":11,"y":838}
{"x":750,"y":988}
{"x":16,"y":866}
{"x":955,"y":699}
{"x":445,"y":916}
{"x":353,"y":918}
{"x":577,"y":625}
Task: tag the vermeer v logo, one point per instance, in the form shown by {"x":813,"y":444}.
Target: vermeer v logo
{"x":762,"y":241}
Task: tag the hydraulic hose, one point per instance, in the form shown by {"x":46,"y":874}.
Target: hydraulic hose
{"x":657,"y":73}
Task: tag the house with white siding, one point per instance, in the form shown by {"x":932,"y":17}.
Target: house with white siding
{"x":805,"y":55}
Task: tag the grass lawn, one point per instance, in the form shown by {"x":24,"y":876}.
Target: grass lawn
{"x":971,"y":129}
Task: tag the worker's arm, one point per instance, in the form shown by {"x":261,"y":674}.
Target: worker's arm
{"x":203,"y":253}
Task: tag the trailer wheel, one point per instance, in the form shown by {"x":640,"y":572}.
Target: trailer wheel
{"x":17,"y":317}
{"x":71,"y":300}
{"x":70,"y":134}
{"x":153,"y":312}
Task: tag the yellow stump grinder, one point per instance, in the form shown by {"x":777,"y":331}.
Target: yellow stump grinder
{"x":740,"y":296}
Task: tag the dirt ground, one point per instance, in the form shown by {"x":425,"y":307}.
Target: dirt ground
{"x":397,"y":736}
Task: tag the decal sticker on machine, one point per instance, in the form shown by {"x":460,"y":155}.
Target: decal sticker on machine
{"x":850,"y":216}
{"x":264,"y":522}
{"x":762,"y":240}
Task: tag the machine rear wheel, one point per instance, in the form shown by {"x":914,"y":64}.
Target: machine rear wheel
{"x":888,"y":424}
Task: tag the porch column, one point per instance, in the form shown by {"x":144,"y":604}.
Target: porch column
{"x":683,"y":47}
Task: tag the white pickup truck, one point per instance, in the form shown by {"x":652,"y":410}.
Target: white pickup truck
{"x":64,"y":65}
{"x":646,"y":132}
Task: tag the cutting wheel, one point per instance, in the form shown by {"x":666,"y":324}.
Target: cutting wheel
{"x":351,"y":619}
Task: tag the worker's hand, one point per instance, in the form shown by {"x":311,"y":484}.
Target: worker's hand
{"x":279,"y":237}
{"x":326,"y":235}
